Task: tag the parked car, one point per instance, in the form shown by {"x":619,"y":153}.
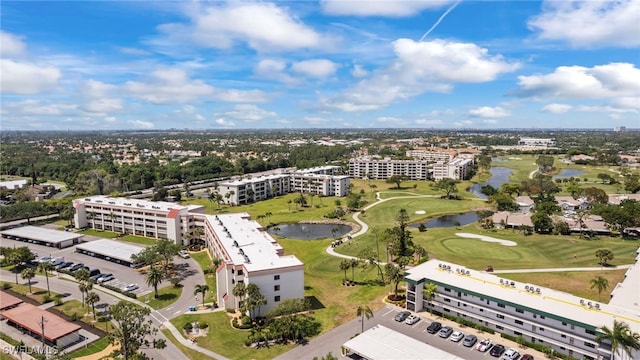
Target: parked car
{"x":402,"y":316}
{"x":57,"y":261}
{"x":497,"y":350}
{"x":64,"y":265}
{"x":412,"y":319}
{"x":104,"y":278}
{"x":511,"y":354}
{"x":183,"y":254}
{"x":434,"y":327}
{"x":43,"y":259}
{"x":95,"y":277}
{"x":445,"y":332}
{"x":456,"y":336}
{"x":484,"y":345}
{"x":469,"y":340}
{"x":76,"y":267}
{"x":94,"y":272}
{"x":526,"y":357}
{"x":131,"y":287}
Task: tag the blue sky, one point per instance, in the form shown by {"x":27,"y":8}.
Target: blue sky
{"x":91,"y":65}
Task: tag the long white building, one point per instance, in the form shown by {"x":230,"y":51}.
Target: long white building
{"x":415,"y":169}
{"x":323,"y":180}
{"x":249,"y":253}
{"x":251,"y":256}
{"x":561,"y":321}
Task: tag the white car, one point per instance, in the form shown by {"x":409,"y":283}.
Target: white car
{"x":412,"y":319}
{"x":456,"y":336}
{"x":104,"y":278}
{"x":57,"y":261}
{"x":511,"y":354}
{"x":131,"y":287}
{"x":43,"y":259}
{"x":484,"y":345}
{"x":183,"y":254}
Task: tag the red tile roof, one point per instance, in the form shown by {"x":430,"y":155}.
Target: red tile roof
{"x":29,"y":316}
{"x":7,"y":300}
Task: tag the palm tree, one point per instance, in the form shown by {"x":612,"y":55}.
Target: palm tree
{"x":429,"y":292}
{"x":153,"y":278}
{"x":354,"y":264}
{"x":364,"y":311}
{"x":599,"y":283}
{"x":394,"y":276}
{"x":260,"y":300}
{"x":621,"y":338}
{"x":112,"y":217}
{"x":239,"y":291}
{"x":268,"y":214}
{"x":345,"y":265}
{"x":92,"y":299}
{"x":28,"y":274}
{"x":85,"y":284}
{"x":45,"y":267}
{"x":92,"y":216}
{"x":201,"y":289}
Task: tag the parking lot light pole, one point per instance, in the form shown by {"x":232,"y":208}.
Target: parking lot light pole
{"x":42,"y":322}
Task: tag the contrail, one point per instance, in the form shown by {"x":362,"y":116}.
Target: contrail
{"x":439,"y":20}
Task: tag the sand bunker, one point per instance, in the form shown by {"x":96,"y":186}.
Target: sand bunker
{"x":420,"y":212}
{"x":487,"y":239}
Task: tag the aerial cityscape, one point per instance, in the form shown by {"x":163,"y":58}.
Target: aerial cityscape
{"x":320,"y":180}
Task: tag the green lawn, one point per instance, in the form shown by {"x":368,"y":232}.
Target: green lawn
{"x":139,"y":240}
{"x":37,"y":293}
{"x":92,"y":348}
{"x":227,"y":341}
{"x":100,"y":233}
{"x":166,"y":296}
{"x":190,"y":354}
{"x":204,"y":261}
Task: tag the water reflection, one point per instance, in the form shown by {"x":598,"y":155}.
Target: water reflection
{"x":309,"y":231}
{"x":499,"y":175}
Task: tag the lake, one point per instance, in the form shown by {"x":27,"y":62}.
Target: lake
{"x":451,"y":220}
{"x":567,"y":173}
{"x":309,"y":231}
{"x":499,"y":175}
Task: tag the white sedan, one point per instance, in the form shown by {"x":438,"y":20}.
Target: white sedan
{"x":131,"y":287}
{"x":456,"y":336}
{"x":484,"y":345}
{"x":412,"y":319}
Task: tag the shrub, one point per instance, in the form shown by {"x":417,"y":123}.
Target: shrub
{"x":59,"y":301}
{"x":6,"y":286}
{"x":231,"y":311}
{"x":203,"y":325}
{"x":187,"y":327}
{"x":176,"y":282}
{"x":246,"y":320}
{"x":46,"y":298}
{"x":248,"y":342}
{"x":74,"y":317}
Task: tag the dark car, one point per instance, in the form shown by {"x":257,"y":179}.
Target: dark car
{"x":434,"y":327}
{"x":497,"y":350}
{"x":526,"y":357}
{"x":94,"y":272}
{"x":402,"y":315}
{"x":76,"y":267}
{"x":95,"y":276}
{"x":64,"y":265}
{"x":469,"y":340}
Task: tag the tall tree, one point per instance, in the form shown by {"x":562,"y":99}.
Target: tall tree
{"x":18,"y":256}
{"x":131,"y":328}
{"x":354,"y":264}
{"x":396,"y":179}
{"x":45,"y":267}
{"x":449,"y":186}
{"x":599,"y":283}
{"x":92,"y":299}
{"x":201,"y":289}
{"x":429,"y":292}
{"x":28,"y":274}
{"x":394,"y":276}
{"x":239,"y":292}
{"x":345,"y":264}
{"x":621,"y":338}
{"x":85,"y":284}
{"x":364,"y":311}
{"x":153,"y":278}
{"x":604,"y":255}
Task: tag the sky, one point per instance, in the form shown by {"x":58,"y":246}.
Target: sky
{"x":437,"y":64}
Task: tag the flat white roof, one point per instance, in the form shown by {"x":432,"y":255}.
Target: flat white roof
{"x":42,"y":234}
{"x":382,"y":343}
{"x":111,"y":248}
{"x":258,"y":246}
{"x":627,"y":293}
{"x":254,"y":179}
{"x":131,"y":203}
{"x":554,"y":302}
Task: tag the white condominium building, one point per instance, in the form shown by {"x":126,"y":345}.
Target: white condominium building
{"x":382,"y":169}
{"x":154,"y":219}
{"x":251,"y":256}
{"x":457,"y":169}
{"x":563,"y":322}
{"x":538,"y":143}
{"x":430,"y":155}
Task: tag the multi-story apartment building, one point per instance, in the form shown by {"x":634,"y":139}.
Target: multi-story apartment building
{"x":382,"y":169}
{"x":431,"y":155}
{"x":457,"y":169}
{"x":324,"y":180}
{"x":537,"y":143}
{"x":251,"y":256}
{"x":154,"y":219}
{"x":249,"y":253}
{"x":565,"y":323}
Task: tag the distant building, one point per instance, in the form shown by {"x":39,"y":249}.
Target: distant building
{"x":536,"y":143}
{"x":13,"y":184}
{"x":458,"y":169}
{"x":416,"y":169}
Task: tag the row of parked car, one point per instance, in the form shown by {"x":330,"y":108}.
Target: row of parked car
{"x":468,"y":340}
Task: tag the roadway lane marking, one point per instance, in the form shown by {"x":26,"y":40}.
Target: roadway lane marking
{"x":177,"y":312}
{"x":388,"y":312}
{"x":169,"y":308}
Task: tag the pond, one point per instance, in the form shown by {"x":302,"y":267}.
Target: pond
{"x":309,"y":231}
{"x":567,"y":173}
{"x":499,"y":175}
{"x":451,"y":220}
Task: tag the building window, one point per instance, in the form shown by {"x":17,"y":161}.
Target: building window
{"x":240,"y":272}
{"x":499,"y":316}
{"x":447,"y":289}
{"x":276,"y":277}
{"x":447,"y":300}
{"x":564,"y":323}
{"x":276,"y":288}
{"x":517,"y":333}
{"x":499,"y":327}
{"x":519,"y":322}
{"x":589,"y":344}
{"x":542,"y":317}
{"x":500,"y":305}
{"x":520,"y":311}
{"x":277,"y":298}
{"x":541,"y":329}
{"x":563,"y":336}
{"x":589,"y":331}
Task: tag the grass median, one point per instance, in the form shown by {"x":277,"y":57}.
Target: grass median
{"x":166,"y":296}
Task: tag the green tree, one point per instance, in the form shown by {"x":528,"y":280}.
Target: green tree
{"x":201,"y":289}
{"x":604,"y":255}
{"x":239,"y":292}
{"x":28,"y":274}
{"x":153,"y":278}
{"x":449,"y":186}
{"x":545,"y":162}
{"x":396,"y":179}
{"x":131,"y":328}
{"x":621,"y":338}
{"x":45,"y":267}
{"x":394,"y":275}
{"x":429,"y":292}
{"x":345,"y":264}
{"x":354,"y":264}
{"x":92,"y":299}
{"x":364,"y":311}
{"x":632,"y":183}
{"x":599,"y":283}
{"x":542,"y":223}
{"x":19,"y":256}
{"x":85,"y":284}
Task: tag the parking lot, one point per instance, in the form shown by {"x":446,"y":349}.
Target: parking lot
{"x":123,"y":275}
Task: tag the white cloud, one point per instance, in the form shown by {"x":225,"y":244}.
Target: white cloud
{"x":317,"y":68}
{"x":134,"y":51}
{"x":248,"y":112}
{"x":273,"y":69}
{"x":629,"y":102}
{"x":104,"y":105}
{"x":589,"y":23}
{"x":429,"y":122}
{"x":27,"y":78}
{"x":557,"y":108}
{"x":421,"y":67}
{"x":263,"y":26}
{"x":489,"y":112}
{"x":490,"y":121}
{"x":576,"y":82}
{"x":98,"y":97}
{"x":389,"y":8}
{"x":224,"y":123}
{"x":35,"y":107}
{"x":173,"y":86}
{"x":315,"y":120}
{"x":140,"y":124}
{"x":358,"y":71}
{"x":11,"y":46}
